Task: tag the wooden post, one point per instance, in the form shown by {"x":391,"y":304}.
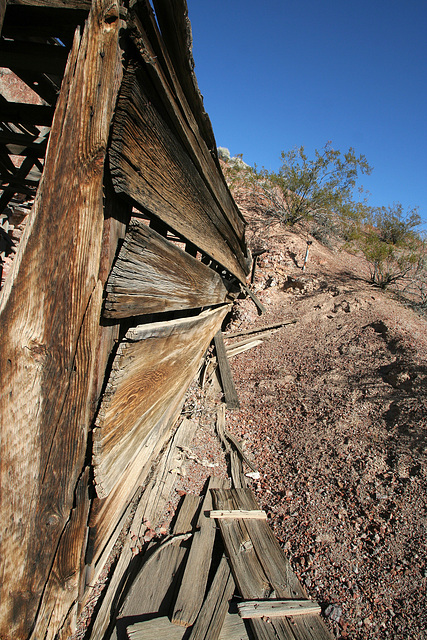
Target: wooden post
{"x":50,"y":308}
{"x":309,"y":243}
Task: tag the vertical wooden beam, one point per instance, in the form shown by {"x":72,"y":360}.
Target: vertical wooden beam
{"x":50,"y":308}
{"x":2,"y":12}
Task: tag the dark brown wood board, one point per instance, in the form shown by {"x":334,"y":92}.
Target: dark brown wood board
{"x":149,"y":165}
{"x":262,"y":571}
{"x":153,"y":275}
{"x":152,"y":369}
{"x":176,"y":84}
{"x":50,"y":308}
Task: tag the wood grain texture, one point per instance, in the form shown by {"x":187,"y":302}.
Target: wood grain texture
{"x":211,"y":617}
{"x":147,"y":164}
{"x":262,"y":571}
{"x":230,"y":391}
{"x":193,"y":585}
{"x":2,"y":12}
{"x":54,"y":4}
{"x":150,"y":507}
{"x":153,"y":275}
{"x":152,"y":369}
{"x":50,"y":310}
{"x":173,"y":76}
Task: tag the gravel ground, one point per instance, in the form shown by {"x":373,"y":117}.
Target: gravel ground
{"x":333,"y":412}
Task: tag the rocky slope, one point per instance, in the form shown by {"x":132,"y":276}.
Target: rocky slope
{"x":333,"y":412}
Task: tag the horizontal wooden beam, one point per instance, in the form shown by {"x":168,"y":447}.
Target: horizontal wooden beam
{"x":233,"y":514}
{"x":153,"y":275}
{"x":277,"y":608}
{"x":54,"y":4}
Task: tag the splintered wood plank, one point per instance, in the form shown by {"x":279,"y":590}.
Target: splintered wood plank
{"x":151,"y":372}
{"x":230,"y":392}
{"x":151,"y":591}
{"x":49,"y":319}
{"x":160,"y":628}
{"x":152,"y":275}
{"x":254,"y":514}
{"x":147,"y":513}
{"x":174,"y":79}
{"x":193,"y":585}
{"x":276,"y":608}
{"x":262,"y":571}
{"x":148,"y":163}
{"x":212,"y":614}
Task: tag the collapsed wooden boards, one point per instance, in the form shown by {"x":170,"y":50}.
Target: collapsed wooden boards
{"x":147,"y":513}
{"x":262,"y":571}
{"x":148,"y":163}
{"x":174,"y":79}
{"x":191,"y":592}
{"x":151,"y":372}
{"x":152,"y":275}
{"x":50,"y":309}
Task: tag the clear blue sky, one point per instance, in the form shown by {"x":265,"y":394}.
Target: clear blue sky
{"x":282,"y":73}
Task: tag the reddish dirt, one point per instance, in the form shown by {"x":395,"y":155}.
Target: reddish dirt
{"x":333,"y":412}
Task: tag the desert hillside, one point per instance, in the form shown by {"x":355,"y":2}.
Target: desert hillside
{"x":333,"y":413}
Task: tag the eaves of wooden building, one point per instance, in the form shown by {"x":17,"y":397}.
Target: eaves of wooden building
{"x":130,"y":257}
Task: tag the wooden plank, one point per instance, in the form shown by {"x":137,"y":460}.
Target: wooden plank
{"x":276,"y":608}
{"x":242,"y":347}
{"x":2,"y":12}
{"x":49,"y":321}
{"x":147,"y":163}
{"x":254,"y":514}
{"x":54,"y":4}
{"x":212,"y":614}
{"x":176,"y":33}
{"x":33,"y":56}
{"x":262,"y":571}
{"x":152,"y":589}
{"x":233,"y":449}
{"x":261,"y":331}
{"x":230,"y":393}
{"x":233,"y":628}
{"x":149,"y":509}
{"x":151,"y":372}
{"x":160,"y":628}
{"x":187,"y":114}
{"x":153,"y":275}
{"x":66,"y":571}
{"x":193,"y":585}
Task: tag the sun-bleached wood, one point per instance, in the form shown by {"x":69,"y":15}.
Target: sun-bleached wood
{"x":254,"y":514}
{"x":50,"y":309}
{"x":151,"y":372}
{"x":153,"y":275}
{"x":147,"y":164}
{"x":262,"y":571}
{"x":277,"y":608}
{"x":191,"y":592}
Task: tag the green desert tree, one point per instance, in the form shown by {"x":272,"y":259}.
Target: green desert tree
{"x":309,"y":188}
{"x":391,"y":245}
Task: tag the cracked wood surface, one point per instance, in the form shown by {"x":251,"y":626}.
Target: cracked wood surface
{"x":152,"y":275}
{"x":50,"y":309}
{"x":151,"y":372}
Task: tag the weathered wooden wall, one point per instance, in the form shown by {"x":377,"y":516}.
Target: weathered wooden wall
{"x":73,"y":456}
